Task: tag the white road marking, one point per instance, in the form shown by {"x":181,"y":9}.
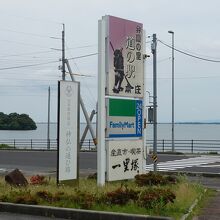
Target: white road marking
{"x":183,"y":163}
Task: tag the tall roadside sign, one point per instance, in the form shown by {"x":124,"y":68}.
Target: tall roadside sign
{"x":120,"y":99}
{"x":68,"y":132}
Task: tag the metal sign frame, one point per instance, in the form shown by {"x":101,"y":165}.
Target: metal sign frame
{"x":105,"y":89}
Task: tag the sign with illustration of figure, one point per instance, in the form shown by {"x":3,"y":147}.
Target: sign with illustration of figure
{"x":68,"y":130}
{"x":124,"y":159}
{"x":124,"y":118}
{"x":125,"y":58}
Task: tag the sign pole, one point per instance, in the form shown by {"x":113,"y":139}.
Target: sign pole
{"x":101,"y":157}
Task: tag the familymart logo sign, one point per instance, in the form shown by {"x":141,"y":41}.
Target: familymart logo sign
{"x":124,"y":118}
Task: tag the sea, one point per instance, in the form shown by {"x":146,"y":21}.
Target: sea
{"x":189,"y":131}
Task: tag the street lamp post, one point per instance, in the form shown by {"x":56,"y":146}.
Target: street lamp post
{"x":173,"y":147}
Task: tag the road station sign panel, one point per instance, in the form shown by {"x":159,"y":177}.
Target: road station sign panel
{"x":124,"y":118}
{"x":68,"y":130}
{"x":125,"y":75}
{"x":124,"y":159}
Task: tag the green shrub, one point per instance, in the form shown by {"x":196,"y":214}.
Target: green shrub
{"x":26,"y":199}
{"x":85,"y":200}
{"x":45,"y":195}
{"x":121,"y":196}
{"x":213,"y":152}
{"x":155,"y":196}
{"x":171,"y":179}
{"x":152,"y":178}
{"x":2,"y":146}
{"x":92,"y":176}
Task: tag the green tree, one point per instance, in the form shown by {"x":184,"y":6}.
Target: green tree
{"x":14,"y":121}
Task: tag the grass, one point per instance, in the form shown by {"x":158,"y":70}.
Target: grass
{"x":205,"y":198}
{"x":186,"y":193}
{"x":88,"y":192}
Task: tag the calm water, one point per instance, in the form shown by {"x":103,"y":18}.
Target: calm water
{"x":182,"y":132}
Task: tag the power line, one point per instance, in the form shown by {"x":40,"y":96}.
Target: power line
{"x":87,"y":87}
{"x":25,"y":44}
{"x":196,"y":77}
{"x":27,"y":33}
{"x":161,"y":60}
{"x":80,"y":47}
{"x":39,"y":64}
{"x":83,"y":56}
{"x":42,"y":86}
{"x":30,"y":65}
{"x":39,"y":59}
{"x":24,"y":54}
{"x":191,"y":55}
{"x":32,"y":79}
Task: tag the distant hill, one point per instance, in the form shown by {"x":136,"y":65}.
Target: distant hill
{"x":15,"y":121}
{"x":217,"y":121}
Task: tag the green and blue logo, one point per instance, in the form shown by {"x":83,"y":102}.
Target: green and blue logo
{"x":124,"y":118}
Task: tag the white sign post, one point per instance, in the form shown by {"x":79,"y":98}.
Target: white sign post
{"x":68,"y":131}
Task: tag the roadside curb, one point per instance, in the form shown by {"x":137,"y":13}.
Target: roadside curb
{"x":195,"y":203}
{"x":191,"y":173}
{"x":76,"y":214}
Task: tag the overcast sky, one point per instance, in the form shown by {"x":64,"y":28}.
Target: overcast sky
{"x":27,"y":28}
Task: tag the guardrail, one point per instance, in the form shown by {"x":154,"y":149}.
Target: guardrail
{"x":183,"y":146}
{"x":187,"y":146}
{"x":39,"y":144}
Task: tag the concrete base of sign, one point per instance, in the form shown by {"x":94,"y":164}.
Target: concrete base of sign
{"x":76,"y":214}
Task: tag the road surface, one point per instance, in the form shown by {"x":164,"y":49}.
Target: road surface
{"x":33,"y":162}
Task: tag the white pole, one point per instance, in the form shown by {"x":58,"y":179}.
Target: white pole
{"x":101,"y":157}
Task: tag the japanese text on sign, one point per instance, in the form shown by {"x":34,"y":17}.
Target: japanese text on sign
{"x":124,"y":159}
{"x":125,"y":76}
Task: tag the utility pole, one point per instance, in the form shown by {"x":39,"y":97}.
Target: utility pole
{"x":173,"y":146}
{"x":66,"y":62}
{"x":63,"y":53}
{"x":82,"y":106}
{"x":154,"y":52}
{"x":48,"y":122}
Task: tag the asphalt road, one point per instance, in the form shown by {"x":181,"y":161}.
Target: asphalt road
{"x":41,"y":161}
{"x":46,"y":162}
{"x":13,"y":216}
